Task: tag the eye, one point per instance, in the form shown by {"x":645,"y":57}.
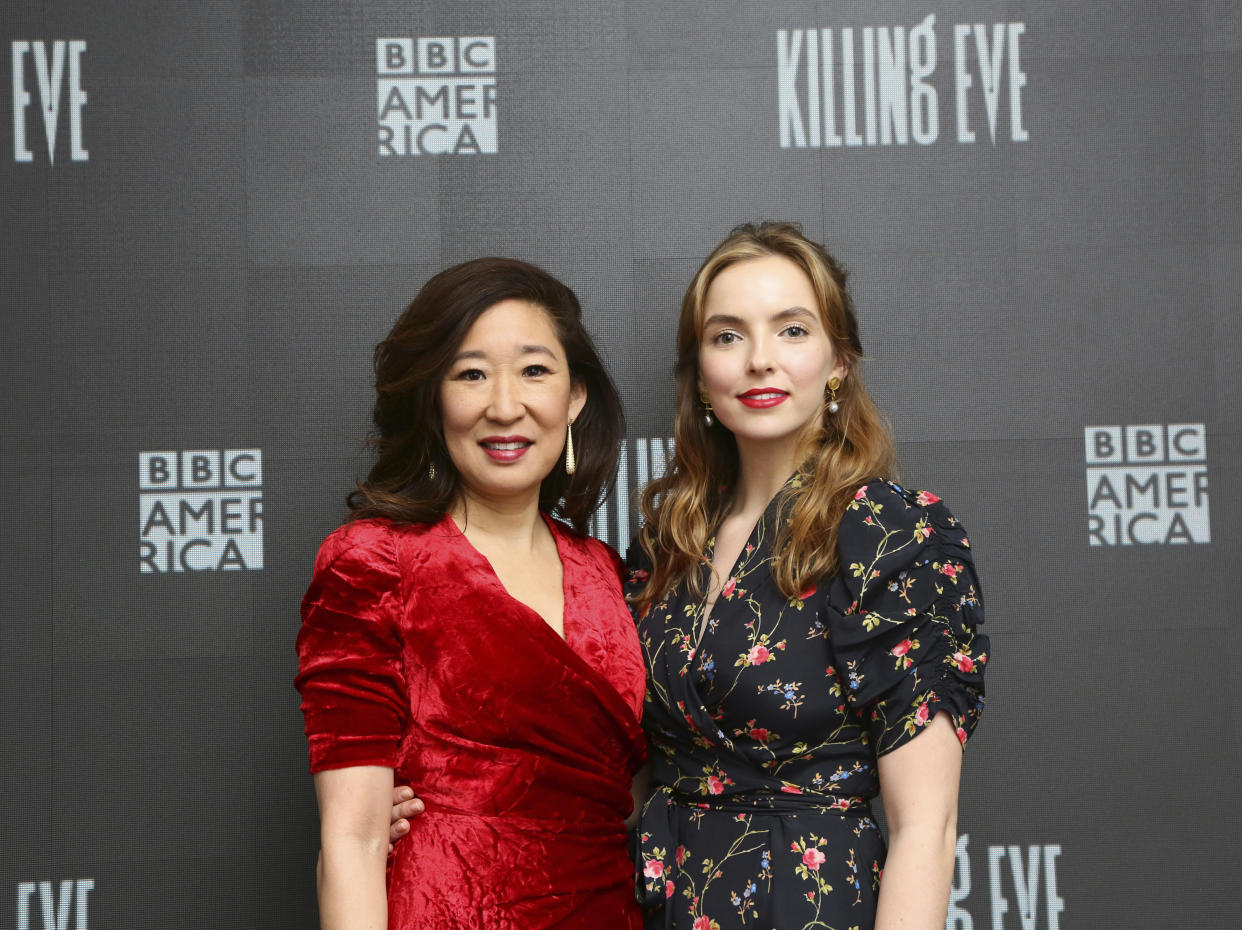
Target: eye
{"x":796,"y":330}
{"x":469,"y":374}
{"x":535,"y":371}
{"x":725,"y":337}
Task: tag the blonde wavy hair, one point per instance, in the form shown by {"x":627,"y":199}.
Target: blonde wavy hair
{"x":839,"y":451}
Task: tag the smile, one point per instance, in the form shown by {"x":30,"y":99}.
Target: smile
{"x":759,"y":398}
{"x":505,"y":448}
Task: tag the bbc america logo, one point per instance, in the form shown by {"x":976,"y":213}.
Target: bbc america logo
{"x":200,"y":511}
{"x":1147,"y":484}
{"x":437,"y":96}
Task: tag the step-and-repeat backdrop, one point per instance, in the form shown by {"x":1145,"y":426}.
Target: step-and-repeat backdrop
{"x":212,"y":211}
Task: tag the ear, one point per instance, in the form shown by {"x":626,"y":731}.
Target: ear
{"x":840,"y":370}
{"x":577,"y":399}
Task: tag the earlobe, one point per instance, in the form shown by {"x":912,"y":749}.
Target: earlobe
{"x":577,"y":399}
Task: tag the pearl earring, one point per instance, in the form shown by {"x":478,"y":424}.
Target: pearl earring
{"x":833,"y":383}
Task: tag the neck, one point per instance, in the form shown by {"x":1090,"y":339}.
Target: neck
{"x":514,"y":521}
{"x":763,"y":469}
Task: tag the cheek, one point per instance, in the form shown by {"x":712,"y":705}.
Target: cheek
{"x":715,"y":372}
{"x":455,"y":414}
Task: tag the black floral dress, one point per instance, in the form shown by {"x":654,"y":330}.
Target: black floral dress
{"x":764,"y":734}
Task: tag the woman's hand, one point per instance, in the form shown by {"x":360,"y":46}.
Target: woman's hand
{"x":404,"y":806}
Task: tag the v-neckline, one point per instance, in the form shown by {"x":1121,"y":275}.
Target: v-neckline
{"x":705,"y":617}
{"x":563,"y":636}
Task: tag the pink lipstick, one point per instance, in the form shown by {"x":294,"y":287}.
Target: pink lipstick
{"x":505,"y":448}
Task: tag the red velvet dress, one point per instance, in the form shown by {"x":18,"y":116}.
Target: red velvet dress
{"x":413,"y":656}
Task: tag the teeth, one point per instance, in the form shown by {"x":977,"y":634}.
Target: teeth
{"x":506,"y":446}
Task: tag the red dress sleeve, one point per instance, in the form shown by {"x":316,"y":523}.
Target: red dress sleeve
{"x":350,"y":670}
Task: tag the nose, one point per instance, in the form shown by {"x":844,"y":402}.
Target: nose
{"x":759,"y":357}
{"x":505,"y":404}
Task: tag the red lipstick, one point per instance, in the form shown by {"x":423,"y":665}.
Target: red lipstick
{"x":760,"y":398}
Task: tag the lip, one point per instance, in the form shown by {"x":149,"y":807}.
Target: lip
{"x":505,"y":449}
{"x":763,"y":397}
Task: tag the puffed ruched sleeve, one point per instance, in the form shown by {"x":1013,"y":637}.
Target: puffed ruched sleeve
{"x":903,"y":612}
{"x":350,"y":671}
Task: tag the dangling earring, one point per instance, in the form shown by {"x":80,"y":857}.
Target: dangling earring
{"x":707,"y":409}
{"x":571,"y":463}
{"x":431,"y":471}
{"x":833,"y":383}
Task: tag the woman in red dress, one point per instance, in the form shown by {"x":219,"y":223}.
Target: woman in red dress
{"x":459,"y":638}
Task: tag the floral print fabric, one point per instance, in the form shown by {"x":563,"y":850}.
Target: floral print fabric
{"x":764,"y":734}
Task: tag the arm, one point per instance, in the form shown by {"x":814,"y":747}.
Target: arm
{"x":919,"y":785}
{"x":353,"y":826}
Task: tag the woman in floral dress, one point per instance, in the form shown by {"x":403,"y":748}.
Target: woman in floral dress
{"x":808,"y":624}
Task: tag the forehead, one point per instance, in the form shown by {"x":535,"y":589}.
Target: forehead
{"x":511,"y":325}
{"x":771,"y":283}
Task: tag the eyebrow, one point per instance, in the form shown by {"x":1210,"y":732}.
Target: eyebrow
{"x":526,"y":350}
{"x":728,"y":319}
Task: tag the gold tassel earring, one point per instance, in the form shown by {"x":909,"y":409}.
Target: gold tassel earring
{"x":571,"y":463}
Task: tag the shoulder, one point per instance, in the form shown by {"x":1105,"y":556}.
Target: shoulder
{"x":378,"y":541}
{"x":888,"y":526}
{"x":883,"y":506}
{"x":589,"y":549}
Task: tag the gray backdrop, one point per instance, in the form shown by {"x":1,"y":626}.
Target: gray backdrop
{"x":212,"y":211}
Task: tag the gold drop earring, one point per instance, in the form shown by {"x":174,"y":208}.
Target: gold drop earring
{"x":708,"y":419}
{"x":833,"y":383}
{"x":571,"y":463}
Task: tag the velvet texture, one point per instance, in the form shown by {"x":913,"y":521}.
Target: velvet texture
{"x":521,"y":744}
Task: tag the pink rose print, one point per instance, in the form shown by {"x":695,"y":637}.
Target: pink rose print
{"x":964,"y":662}
{"x":668,"y":889}
{"x":961,"y":736}
{"x":861,"y":493}
{"x":813,"y":859}
{"x":758,"y":655}
{"x":922,"y":715}
{"x":702,"y":923}
{"x":807,"y":593}
{"x":680,"y":855}
{"x":925,"y":498}
{"x":714,"y":785}
{"x":950,"y":570}
{"x":639,"y":575}
{"x":653,"y":868}
{"x":810,"y":896}
{"x":729,"y":588}
{"x":791,"y":789}
{"x":841,"y":804}
{"x":901,"y":648}
{"x":759,"y":733}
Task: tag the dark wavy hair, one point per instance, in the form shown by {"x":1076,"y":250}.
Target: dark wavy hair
{"x":410,"y":364}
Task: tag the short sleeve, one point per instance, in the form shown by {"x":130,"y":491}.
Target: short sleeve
{"x":350,"y":671}
{"x":903,"y":613}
